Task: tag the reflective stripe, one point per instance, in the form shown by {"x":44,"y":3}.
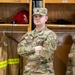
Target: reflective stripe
{"x":3,"y":64}
{"x":9,"y":61}
{"x":13,"y":61}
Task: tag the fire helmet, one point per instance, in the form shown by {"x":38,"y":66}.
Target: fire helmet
{"x":21,"y":17}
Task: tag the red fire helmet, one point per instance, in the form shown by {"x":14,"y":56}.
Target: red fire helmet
{"x":21,"y":17}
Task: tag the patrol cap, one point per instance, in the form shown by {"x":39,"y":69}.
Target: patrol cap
{"x":40,"y":11}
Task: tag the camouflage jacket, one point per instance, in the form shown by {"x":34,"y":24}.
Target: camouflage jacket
{"x":44,"y":60}
{"x":71,"y":61}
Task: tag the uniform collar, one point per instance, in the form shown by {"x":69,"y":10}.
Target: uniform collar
{"x":40,"y":32}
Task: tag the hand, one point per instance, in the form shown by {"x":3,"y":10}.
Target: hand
{"x":38,"y":49}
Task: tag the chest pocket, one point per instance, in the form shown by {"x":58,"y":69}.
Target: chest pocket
{"x":40,"y":40}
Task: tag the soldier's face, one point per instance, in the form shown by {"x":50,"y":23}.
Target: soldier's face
{"x":40,"y":19}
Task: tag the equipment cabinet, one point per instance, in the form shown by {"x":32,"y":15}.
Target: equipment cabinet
{"x":60,"y":9}
{"x":8,"y":9}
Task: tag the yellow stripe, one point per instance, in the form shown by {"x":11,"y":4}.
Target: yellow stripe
{"x":13,"y":61}
{"x":9,"y":61}
{"x":3,"y":64}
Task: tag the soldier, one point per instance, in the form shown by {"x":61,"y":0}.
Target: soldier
{"x":39,"y":46}
{"x":71,"y":61}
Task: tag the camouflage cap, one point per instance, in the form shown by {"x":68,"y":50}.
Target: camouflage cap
{"x":41,"y":11}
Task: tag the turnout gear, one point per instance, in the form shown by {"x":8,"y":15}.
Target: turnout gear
{"x":9,"y":59}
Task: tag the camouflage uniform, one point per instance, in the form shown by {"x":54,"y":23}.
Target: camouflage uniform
{"x":71,"y":61}
{"x":42,"y":61}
